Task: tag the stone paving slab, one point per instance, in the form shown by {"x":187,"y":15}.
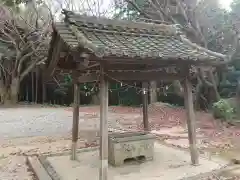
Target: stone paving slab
{"x":168,"y":164}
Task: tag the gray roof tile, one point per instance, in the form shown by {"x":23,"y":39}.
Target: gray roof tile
{"x":128,"y":39}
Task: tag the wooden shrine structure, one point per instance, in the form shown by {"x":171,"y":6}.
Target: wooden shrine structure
{"x":95,"y":49}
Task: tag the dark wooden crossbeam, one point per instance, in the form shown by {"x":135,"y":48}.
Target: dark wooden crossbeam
{"x":132,"y":76}
{"x":153,"y":61}
{"x":133,"y":67}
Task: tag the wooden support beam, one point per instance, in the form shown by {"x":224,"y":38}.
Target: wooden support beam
{"x":132,"y":76}
{"x":155,"y":61}
{"x":103,"y":171}
{"x":136,"y":60}
{"x":109,"y":66}
{"x":75,"y":121}
{"x":145,"y":106}
{"x":93,"y":77}
{"x":191,"y":122}
{"x":90,"y":66}
{"x":93,"y":65}
{"x":143,"y":76}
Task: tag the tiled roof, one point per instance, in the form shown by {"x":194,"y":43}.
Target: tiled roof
{"x":127,"y":39}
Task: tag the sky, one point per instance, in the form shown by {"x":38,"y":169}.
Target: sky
{"x":225,"y":3}
{"x":57,"y":5}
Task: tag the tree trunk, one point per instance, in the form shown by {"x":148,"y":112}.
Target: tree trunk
{"x":44,"y":89}
{"x":27,"y":92}
{"x":197,"y":94}
{"x":32,"y":78}
{"x":2,"y":92}
{"x":14,"y":90}
{"x":178,"y":89}
{"x":216,"y":96}
{"x":153,"y":92}
{"x":96,"y":99}
{"x":36,"y":86}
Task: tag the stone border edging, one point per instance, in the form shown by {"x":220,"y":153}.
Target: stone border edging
{"x":37,"y":168}
{"x":53,"y":174}
{"x":49,"y":168}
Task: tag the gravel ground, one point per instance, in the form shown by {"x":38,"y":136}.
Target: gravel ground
{"x":37,"y":130}
{"x":14,"y":168}
{"x":29,"y":131}
{"x":22,"y":122}
{"x":29,"y":122}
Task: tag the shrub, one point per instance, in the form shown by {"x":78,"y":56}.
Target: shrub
{"x":223,"y":110}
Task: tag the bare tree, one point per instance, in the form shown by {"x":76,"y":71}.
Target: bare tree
{"x":97,"y":8}
{"x":26,"y":47}
{"x":197,"y":22}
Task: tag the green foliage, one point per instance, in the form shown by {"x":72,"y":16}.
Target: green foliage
{"x":14,"y":4}
{"x":129,"y":97}
{"x":67,"y":79}
{"x":89,"y":89}
{"x":223,"y":110}
{"x":123,"y":95}
{"x":229,"y":84}
{"x":11,"y":3}
{"x":63,"y":87}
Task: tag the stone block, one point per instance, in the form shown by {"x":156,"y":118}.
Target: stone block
{"x":129,"y":145}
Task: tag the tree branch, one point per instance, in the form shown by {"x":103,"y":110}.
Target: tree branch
{"x":9,"y":37}
{"x":23,"y":58}
{"x":30,"y":68}
{"x":138,"y":9}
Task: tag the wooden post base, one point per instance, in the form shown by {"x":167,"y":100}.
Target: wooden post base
{"x":74,"y":151}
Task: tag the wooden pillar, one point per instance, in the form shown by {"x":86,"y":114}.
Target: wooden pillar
{"x":75,"y":121}
{"x":191,"y":122}
{"x":145,"y":106}
{"x":103,"y":171}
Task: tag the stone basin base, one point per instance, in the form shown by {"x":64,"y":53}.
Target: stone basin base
{"x":133,"y":145}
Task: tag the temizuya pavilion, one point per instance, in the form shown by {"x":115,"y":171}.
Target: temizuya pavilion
{"x":95,"y":49}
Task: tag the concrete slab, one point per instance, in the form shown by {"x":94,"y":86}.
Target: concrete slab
{"x":168,"y":164}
